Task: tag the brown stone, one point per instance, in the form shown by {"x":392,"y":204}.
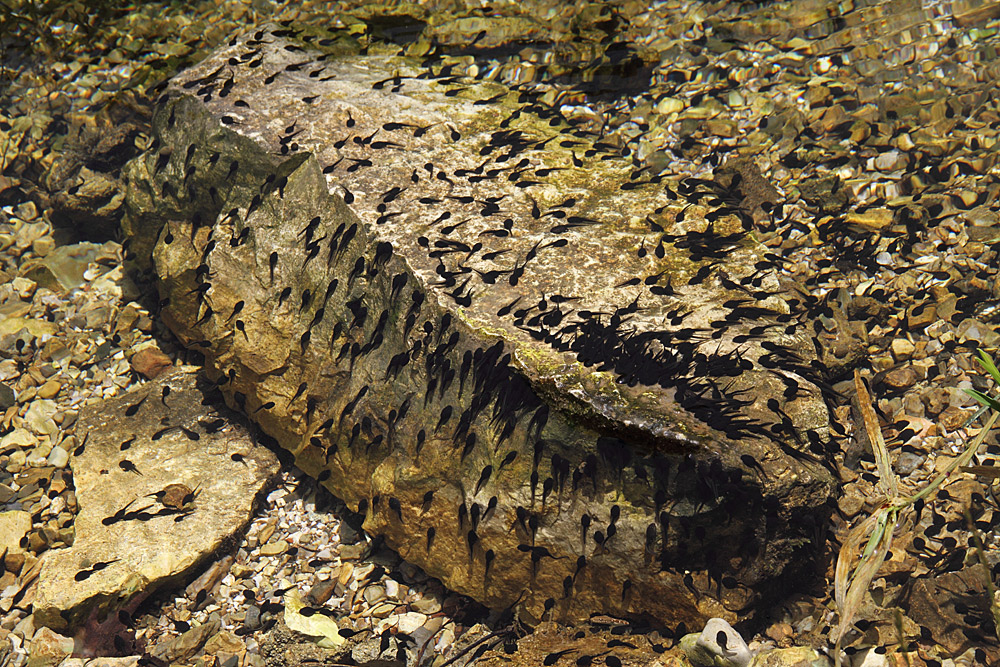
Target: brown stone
{"x":947,"y":308}
{"x":902,"y":348}
{"x":936,"y":399}
{"x":150,"y":362}
{"x":754,"y":189}
{"x":972,"y":12}
{"x":873,"y":218}
{"x":953,"y":418}
{"x":781,"y":633}
{"x":549,"y":638}
{"x":49,"y":389}
{"x":934,"y":603}
{"x":918,"y":317}
{"x":48,"y":648}
{"x":900,"y":377}
{"x":275,"y":548}
{"x":830,"y":117}
{"x":187,"y":644}
{"x":225,"y":642}
{"x":176,"y":496}
{"x":322,"y":591}
{"x":721,"y":128}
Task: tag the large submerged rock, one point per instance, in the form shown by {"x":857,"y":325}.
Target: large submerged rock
{"x":546,"y":376}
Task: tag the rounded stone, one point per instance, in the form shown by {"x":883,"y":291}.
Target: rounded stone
{"x":900,"y":378}
{"x":43,"y":246}
{"x":669,"y":105}
{"x":907,"y":463}
{"x":410,"y":621}
{"x":16,"y":461}
{"x":49,"y":389}
{"x":26,"y":211}
{"x":150,"y":362}
{"x":58,"y":457}
{"x":274,"y":548}
{"x":374,"y":594}
{"x":382,"y":609}
{"x":38,"y":457}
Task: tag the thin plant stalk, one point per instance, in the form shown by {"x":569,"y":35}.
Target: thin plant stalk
{"x":857,"y":566}
{"x":991,"y":590}
{"x":962,"y":460}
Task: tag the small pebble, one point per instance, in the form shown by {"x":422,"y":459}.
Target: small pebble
{"x":275,"y":548}
{"x":58,"y":457}
{"x":49,"y":389}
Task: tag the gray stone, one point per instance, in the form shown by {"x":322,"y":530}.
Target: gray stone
{"x":908,"y":462}
{"x":374,"y":594}
{"x":369,"y":651}
{"x":421,"y":372}
{"x":133,"y":533}
{"x":409,"y":622}
{"x":426,"y":605}
{"x":7,"y":494}
{"x":7,"y":396}
{"x":58,"y":457}
{"x":352,"y":551}
{"x":718,"y":645}
{"x":252,"y":619}
{"x":348,"y":533}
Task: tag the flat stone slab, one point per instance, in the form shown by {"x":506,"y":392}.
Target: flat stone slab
{"x":14,"y":525}
{"x":547,"y":376}
{"x":162,"y":481}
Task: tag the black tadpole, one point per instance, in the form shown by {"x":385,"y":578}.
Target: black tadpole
{"x":483,"y":478}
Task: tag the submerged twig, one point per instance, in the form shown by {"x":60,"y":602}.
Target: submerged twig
{"x":857,"y":566}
